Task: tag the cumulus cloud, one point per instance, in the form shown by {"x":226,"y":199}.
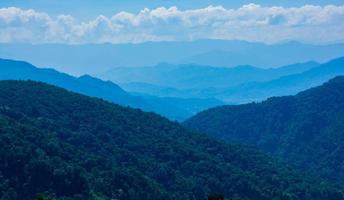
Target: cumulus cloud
{"x":314,"y":24}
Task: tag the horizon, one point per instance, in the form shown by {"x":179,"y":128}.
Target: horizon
{"x":70,"y":58}
{"x":189,"y":41}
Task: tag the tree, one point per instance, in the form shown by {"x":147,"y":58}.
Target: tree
{"x":216,"y":196}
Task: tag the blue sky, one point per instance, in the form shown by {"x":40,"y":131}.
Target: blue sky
{"x":111,"y":21}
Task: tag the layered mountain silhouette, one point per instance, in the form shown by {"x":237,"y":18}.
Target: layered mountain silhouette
{"x":68,"y":146}
{"x":96,"y":58}
{"x":237,"y":85}
{"x":286,"y":85}
{"x":173,"y":108}
{"x":306,"y":130}
{"x":189,"y":76}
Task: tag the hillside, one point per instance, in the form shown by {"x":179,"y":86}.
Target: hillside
{"x":285,"y":85}
{"x":75,"y":147}
{"x":18,"y":70}
{"x":306,"y":129}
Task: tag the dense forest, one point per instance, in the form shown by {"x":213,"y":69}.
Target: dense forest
{"x":62,"y":145}
{"x":306,"y":130}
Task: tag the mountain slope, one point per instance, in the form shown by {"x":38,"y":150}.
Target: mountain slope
{"x":286,"y":85}
{"x":17,"y":70}
{"x":306,"y":130}
{"x":51,"y":141}
{"x":256,"y":84}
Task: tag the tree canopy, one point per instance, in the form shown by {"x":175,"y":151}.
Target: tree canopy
{"x":306,"y":130}
{"x":68,"y":146}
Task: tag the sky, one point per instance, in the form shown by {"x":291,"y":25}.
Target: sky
{"x":88,"y":9}
{"x":136,"y":21}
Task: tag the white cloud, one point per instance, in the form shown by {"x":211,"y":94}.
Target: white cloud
{"x":314,"y":24}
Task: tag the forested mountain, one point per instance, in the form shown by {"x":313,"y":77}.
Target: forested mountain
{"x":72,"y":146}
{"x":173,"y":108}
{"x":306,"y":130}
{"x":96,"y":58}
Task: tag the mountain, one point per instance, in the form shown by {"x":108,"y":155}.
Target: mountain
{"x":156,"y":90}
{"x":296,"y":78}
{"x":183,"y":107}
{"x":97,"y":58}
{"x":306,"y":130}
{"x":237,"y":53}
{"x":18,"y":70}
{"x":286,"y":85}
{"x":68,"y":146}
{"x":190,"y":76}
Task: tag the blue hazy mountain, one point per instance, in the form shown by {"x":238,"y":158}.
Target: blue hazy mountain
{"x":96,"y":58}
{"x":173,"y":108}
{"x":191,"y":76}
{"x":286,"y":85}
{"x":256,"y":84}
{"x":261,"y":55}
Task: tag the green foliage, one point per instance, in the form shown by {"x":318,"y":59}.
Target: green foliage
{"x":41,"y":196}
{"x":68,"y":146}
{"x":215,"y":196}
{"x":305,"y":130}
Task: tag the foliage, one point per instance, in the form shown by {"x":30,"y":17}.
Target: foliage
{"x":68,"y":146}
{"x":215,"y":196}
{"x":305,"y":130}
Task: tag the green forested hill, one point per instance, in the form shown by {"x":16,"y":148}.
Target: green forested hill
{"x":307,"y":130}
{"x":75,"y":147}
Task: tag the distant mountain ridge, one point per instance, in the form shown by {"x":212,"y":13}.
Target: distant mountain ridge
{"x":306,"y":130}
{"x":264,"y":83}
{"x":97,"y":58}
{"x":18,"y":70}
{"x":191,"y":76}
{"x":286,"y":85}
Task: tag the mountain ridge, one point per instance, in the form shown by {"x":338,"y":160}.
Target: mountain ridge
{"x":305,"y":130}
{"x":103,"y":57}
{"x":65,"y":150}
{"x":192,"y":76}
{"x":286,"y":85}
{"x":92,"y":86}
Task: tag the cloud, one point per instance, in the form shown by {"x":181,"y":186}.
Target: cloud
{"x":313,"y":24}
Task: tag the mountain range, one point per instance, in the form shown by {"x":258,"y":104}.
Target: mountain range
{"x":189,"y":76}
{"x":63,"y":145}
{"x":180,"y":91}
{"x":98,"y":58}
{"x":305,"y":130}
{"x":173,"y":108}
{"x":236,"y":85}
{"x":286,"y":85}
